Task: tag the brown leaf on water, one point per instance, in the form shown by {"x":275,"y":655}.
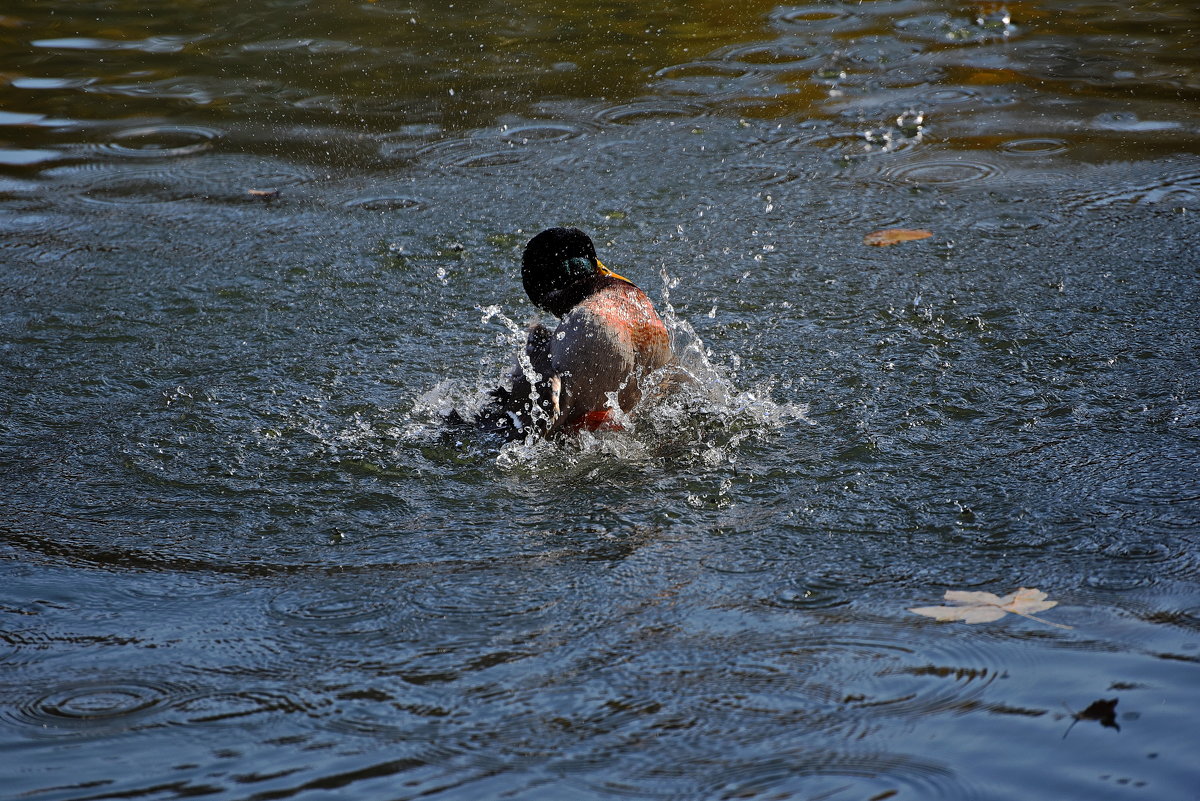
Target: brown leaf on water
{"x":892,"y":236}
{"x":1103,"y":711}
{"x":983,"y":607}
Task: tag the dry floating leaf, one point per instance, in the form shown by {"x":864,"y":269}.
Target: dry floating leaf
{"x":892,"y":236}
{"x":982,"y":607}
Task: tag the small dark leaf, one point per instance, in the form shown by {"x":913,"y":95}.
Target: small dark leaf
{"x":1103,"y":711}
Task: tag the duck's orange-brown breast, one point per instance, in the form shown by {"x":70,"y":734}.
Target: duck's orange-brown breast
{"x":631,"y":315}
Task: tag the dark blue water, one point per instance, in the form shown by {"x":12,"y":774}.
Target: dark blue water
{"x":240,"y":558}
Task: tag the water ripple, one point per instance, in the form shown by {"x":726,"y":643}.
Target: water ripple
{"x":713,"y":83}
{"x":331,"y":614}
{"x":92,"y":707}
{"x":741,"y":560}
{"x":652,"y":109}
{"x":484,"y":155}
{"x":1118,"y":577}
{"x":944,"y":171}
{"x":1012,"y":224}
{"x":1043,"y":146}
{"x":1181,"y":188}
{"x":773,"y":55}
{"x":405,"y":142}
{"x":815,"y":17}
{"x":174,"y":180}
{"x":837,"y":773}
{"x":177,"y":588}
{"x":762,"y":173}
{"x":851,"y":145}
{"x":484,"y":595}
{"x":713,"y":772}
{"x":131,"y":186}
{"x":981,"y":28}
{"x":1142,"y":561}
{"x":544,"y":131}
{"x":386,"y":203}
{"x":161,"y":141}
{"x":702,"y":72}
{"x":946,"y":95}
{"x":413,"y":714}
{"x":221,"y":708}
{"x":1144,"y":551}
{"x":818,"y":592}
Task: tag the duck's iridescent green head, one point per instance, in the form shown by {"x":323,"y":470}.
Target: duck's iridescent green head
{"x":554,"y":260}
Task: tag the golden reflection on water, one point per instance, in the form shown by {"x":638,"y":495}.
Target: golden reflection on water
{"x":296,"y":71}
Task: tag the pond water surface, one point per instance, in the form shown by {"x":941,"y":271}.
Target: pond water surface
{"x":251,"y":252}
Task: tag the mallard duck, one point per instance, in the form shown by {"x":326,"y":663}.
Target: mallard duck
{"x":607,"y":339}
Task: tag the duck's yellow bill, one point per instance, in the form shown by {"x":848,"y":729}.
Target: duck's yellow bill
{"x":605,"y":271}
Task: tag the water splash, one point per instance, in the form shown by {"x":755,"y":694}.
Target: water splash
{"x":692,"y":408}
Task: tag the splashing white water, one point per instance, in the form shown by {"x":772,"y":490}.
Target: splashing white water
{"x":692,"y":409}
{"x":538,"y":415}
